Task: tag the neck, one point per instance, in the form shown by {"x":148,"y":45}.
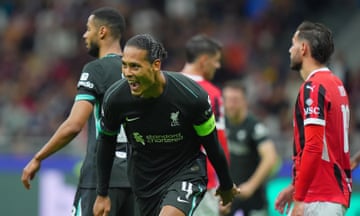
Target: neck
{"x":158,"y":87}
{"x":238,"y":119}
{"x":110,"y":48}
{"x":310,"y":67}
{"x":192,"y":69}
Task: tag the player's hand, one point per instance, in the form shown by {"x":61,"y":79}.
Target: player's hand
{"x":298,"y":209}
{"x":353,"y":164}
{"x":102,"y":206}
{"x":355,"y":160}
{"x":284,"y":200}
{"x":227,"y":196}
{"x":224,"y":209}
{"x":29,"y":172}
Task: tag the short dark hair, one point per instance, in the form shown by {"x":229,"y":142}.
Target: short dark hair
{"x":111,"y":18}
{"x":201,"y":44}
{"x":236,"y":84}
{"x":320,"y":39}
{"x":155,"y":49}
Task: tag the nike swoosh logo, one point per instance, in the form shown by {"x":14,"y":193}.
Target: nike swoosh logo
{"x":181,"y":200}
{"x":132,"y":119}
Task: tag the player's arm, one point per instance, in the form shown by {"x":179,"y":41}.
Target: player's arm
{"x":208,"y":136}
{"x":268,"y":160}
{"x":217,"y":158}
{"x":74,"y":123}
{"x":106,"y":143}
{"x":215,"y":154}
{"x":105,"y":158}
{"x":355,"y":160}
{"x":310,"y":160}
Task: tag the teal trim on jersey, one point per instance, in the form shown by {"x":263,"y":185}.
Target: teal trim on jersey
{"x":193,"y":203}
{"x":78,"y":209}
{"x":84,"y":97}
{"x":111,"y":55}
{"x":187,"y":88}
{"x":108,"y":133}
{"x":207,"y":127}
{"x":97,"y":118}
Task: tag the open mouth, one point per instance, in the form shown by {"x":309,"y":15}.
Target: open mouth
{"x":134,"y":85}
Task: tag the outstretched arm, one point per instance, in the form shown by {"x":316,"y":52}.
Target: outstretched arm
{"x":78,"y":117}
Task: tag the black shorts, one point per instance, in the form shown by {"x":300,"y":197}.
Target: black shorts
{"x":122,"y":202}
{"x":183,"y":195}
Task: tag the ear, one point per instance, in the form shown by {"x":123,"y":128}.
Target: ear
{"x":156,"y":65}
{"x":203,"y":58}
{"x":305,"y":48}
{"x":102,"y":32}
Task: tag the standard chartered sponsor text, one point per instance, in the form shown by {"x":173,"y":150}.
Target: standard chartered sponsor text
{"x":164,"y":138}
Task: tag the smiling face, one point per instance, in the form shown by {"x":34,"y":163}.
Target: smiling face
{"x":91,"y":37}
{"x":142,"y":75}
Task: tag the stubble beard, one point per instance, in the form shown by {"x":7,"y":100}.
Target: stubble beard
{"x":94,"y":50}
{"x":296,"y":66}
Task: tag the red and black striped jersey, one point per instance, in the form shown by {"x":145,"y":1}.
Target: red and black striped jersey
{"x":322,"y":175}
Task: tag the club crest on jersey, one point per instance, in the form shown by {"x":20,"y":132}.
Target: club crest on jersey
{"x":309,"y":101}
{"x":174,"y":117}
{"x":138,"y":138}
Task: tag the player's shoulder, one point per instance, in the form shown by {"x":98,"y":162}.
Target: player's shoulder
{"x":211,"y":88}
{"x":92,"y":64}
{"x":176,"y":75}
{"x":100,"y":63}
{"x":118,"y":86}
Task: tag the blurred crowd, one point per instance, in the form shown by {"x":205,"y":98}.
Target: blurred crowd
{"x":42,"y":54}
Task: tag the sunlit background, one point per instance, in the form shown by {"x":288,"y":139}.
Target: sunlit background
{"x":42,"y":53}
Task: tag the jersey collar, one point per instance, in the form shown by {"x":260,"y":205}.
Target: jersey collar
{"x":323,"y":69}
{"x":196,"y":78}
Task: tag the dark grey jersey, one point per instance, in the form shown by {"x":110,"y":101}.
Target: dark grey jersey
{"x":164,"y":133}
{"x":243,"y":141}
{"x":97,"y":76}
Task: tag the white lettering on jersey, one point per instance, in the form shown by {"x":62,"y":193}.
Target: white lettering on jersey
{"x":84,"y":76}
{"x":342,"y":91}
{"x":312,"y":110}
{"x":87,"y":84}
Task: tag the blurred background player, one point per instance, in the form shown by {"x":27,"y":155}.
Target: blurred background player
{"x":104,"y":30}
{"x":322,"y":181}
{"x":203,"y":58}
{"x":253,"y":155}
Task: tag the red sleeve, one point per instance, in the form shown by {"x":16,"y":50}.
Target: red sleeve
{"x":310,"y":160}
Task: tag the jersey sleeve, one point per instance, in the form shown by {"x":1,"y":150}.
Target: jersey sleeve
{"x":110,"y":113}
{"x":89,"y":83}
{"x":310,"y":161}
{"x":204,"y":121}
{"x":259,"y":133}
{"x":314,"y":103}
